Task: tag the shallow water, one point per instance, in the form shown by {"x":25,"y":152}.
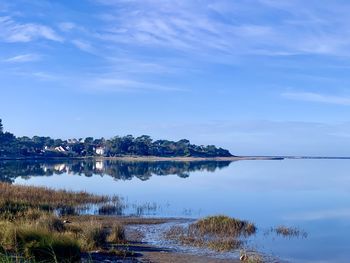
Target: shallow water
{"x":313,"y":195}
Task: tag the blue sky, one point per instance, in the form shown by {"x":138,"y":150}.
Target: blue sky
{"x":253,"y":76}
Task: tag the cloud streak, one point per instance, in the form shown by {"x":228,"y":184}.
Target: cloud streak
{"x":317,"y":97}
{"x":12,"y":31}
{"x":228,"y":26}
{"x":23,"y":58}
{"x":114,"y":84}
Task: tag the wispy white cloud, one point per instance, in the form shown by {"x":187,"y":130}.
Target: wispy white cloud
{"x":240,"y":28}
{"x":12,"y":31}
{"x":113,"y":84}
{"x":23,"y":58}
{"x":318,"y":97}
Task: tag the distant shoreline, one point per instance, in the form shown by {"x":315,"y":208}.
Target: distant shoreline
{"x":147,"y":158}
{"x":173,"y":159}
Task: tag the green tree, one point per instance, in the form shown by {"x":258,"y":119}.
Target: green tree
{"x":1,"y":127}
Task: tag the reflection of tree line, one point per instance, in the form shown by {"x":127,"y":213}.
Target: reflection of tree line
{"x":119,"y":170}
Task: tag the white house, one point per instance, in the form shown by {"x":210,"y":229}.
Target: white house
{"x":100,"y":150}
{"x":60,"y":149}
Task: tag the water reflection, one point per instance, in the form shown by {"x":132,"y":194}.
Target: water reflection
{"x":119,"y":170}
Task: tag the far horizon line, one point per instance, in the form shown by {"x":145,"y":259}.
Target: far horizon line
{"x":296,"y":156}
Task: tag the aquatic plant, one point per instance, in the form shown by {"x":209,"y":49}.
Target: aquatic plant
{"x":110,"y":209}
{"x":286,"y":231}
{"x":223,"y":226}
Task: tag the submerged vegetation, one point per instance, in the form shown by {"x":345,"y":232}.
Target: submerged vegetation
{"x":286,"y":231}
{"x":221,"y":233}
{"x":46,"y":147}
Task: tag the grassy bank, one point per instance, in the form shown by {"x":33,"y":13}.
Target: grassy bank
{"x":47,"y":238}
{"x":32,"y":231}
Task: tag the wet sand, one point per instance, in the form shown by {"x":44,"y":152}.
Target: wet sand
{"x":171,"y":257}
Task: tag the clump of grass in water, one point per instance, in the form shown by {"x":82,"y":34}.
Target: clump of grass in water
{"x":110,"y":209}
{"x":220,"y":233}
{"x":224,"y":226}
{"x":289,"y":232}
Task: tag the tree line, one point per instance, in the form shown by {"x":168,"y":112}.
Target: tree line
{"x":39,"y":146}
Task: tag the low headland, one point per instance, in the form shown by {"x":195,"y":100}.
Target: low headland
{"x":143,"y":146}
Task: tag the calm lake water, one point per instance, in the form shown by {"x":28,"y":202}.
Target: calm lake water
{"x":313,"y":195}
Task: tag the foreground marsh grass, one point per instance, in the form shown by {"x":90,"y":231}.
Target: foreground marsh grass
{"x":220,"y":233}
{"x":31,"y":231}
{"x":25,"y":240}
{"x":48,"y":239}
